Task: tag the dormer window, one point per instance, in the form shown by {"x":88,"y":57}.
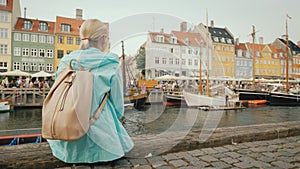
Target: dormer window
{"x":173,"y":40}
{"x":223,"y":40}
{"x":65,"y":28}
{"x":43,"y":26}
{"x":229,"y":41}
{"x":3,"y":2}
{"x":160,"y":38}
{"x":216,"y":39}
{"x":27,"y":24}
{"x":275,"y":55}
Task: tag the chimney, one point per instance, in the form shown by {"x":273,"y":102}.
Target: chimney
{"x":183,"y":26}
{"x":162,"y":30}
{"x":261,"y":40}
{"x":79,"y":14}
{"x":212,"y":24}
{"x":25,"y":12}
{"x":298,"y":43}
{"x":237,"y":41}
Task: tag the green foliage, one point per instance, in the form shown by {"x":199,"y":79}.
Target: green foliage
{"x":140,"y":60}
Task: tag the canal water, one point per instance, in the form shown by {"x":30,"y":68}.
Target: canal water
{"x":158,"y":118}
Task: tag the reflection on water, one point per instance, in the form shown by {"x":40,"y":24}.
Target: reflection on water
{"x":158,"y":118}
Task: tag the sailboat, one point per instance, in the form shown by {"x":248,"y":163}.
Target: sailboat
{"x":132,"y":96}
{"x":201,"y":99}
{"x":287,"y":98}
{"x":252,"y":94}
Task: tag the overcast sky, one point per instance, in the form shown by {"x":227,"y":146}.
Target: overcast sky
{"x":131,"y":19}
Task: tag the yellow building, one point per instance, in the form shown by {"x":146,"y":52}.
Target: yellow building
{"x":67,"y":36}
{"x":267,"y":60}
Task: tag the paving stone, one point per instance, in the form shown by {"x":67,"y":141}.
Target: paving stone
{"x":165,"y":167}
{"x":143,"y":167}
{"x":169,"y":157}
{"x":230,"y":147}
{"x":82,"y":167}
{"x":208,"y":158}
{"x":139,"y":161}
{"x":250,"y":144}
{"x":233,"y":154}
{"x":182,"y":154}
{"x":260,"y":164}
{"x":229,"y":160}
{"x":220,"y":155}
{"x":244,"y":165}
{"x":282,"y":164}
{"x":159,"y":164}
{"x":196,"y":153}
{"x":220,"y":165}
{"x":178,"y":163}
{"x":209,"y":151}
{"x":220,"y":149}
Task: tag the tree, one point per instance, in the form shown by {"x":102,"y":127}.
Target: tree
{"x":140,"y":59}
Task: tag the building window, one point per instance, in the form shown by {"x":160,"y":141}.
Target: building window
{"x":25,"y":52}
{"x":65,"y":28}
{"x":3,"y":49}
{"x":3,"y":33}
{"x":183,"y":62}
{"x":177,"y":61}
{"x":4,"y":16}
{"x":164,"y":60}
{"x":69,"y":40}
{"x":78,"y":41}
{"x":49,"y":67}
{"x":33,"y":67}
{"x":60,"y":53}
{"x":26,"y":37}
{"x":196,"y":62}
{"x":156,"y":60}
{"x":171,"y":61}
{"x":33,"y":52}
{"x":3,"y":2}
{"x":172,"y":50}
{"x":42,"y":53}
{"x":17,"y":37}
{"x":190,"y":61}
{"x":42,"y":39}
{"x":17,"y":51}
{"x":25,"y":66}
{"x":16,"y":65}
{"x":50,"y":39}
{"x":60,"y":39}
{"x":50,"y":53}
{"x":41,"y":67}
{"x":27,"y":24}
{"x":33,"y":38}
{"x":43,"y":26}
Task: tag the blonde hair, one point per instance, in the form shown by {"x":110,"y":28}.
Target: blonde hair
{"x":91,"y":31}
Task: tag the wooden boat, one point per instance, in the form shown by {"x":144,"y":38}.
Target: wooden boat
{"x":205,"y":108}
{"x":284,"y":99}
{"x":11,"y":140}
{"x":173,"y":98}
{"x":196,"y":100}
{"x":250,"y":94}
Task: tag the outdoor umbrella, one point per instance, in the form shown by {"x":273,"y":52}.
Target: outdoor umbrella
{"x":15,"y":73}
{"x":41,"y":74}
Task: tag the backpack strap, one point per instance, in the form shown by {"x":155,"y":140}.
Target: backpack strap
{"x":99,"y":110}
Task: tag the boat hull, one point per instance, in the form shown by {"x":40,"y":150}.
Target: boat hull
{"x":248,"y":94}
{"x":196,"y":100}
{"x":284,"y":99}
{"x":173,"y":99}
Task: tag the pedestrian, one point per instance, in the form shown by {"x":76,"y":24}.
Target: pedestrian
{"x":106,"y":139}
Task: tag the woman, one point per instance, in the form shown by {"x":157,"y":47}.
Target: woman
{"x":106,"y":139}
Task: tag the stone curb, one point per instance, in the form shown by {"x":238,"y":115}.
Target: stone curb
{"x":40,"y":156}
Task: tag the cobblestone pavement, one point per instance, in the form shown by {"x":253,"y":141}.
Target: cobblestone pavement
{"x":278,"y":153}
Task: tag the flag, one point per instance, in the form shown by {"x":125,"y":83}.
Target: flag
{"x":287,"y":15}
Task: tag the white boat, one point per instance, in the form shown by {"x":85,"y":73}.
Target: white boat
{"x":4,"y":106}
{"x":196,"y":100}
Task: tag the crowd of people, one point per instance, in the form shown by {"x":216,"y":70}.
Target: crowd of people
{"x":26,"y":83}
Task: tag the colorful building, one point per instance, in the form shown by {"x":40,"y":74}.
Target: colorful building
{"x":33,"y":45}
{"x":223,"y":52}
{"x":243,"y":64}
{"x":67,"y":36}
{"x":9,"y":13}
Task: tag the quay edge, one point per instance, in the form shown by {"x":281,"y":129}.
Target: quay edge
{"x":40,"y":156}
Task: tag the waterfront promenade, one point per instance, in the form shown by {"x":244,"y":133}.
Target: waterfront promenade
{"x":273,"y":145}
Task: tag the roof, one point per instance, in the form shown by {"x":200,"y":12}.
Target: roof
{"x":291,"y":45}
{"x":153,"y":35}
{"x":257,"y":48}
{"x":35,"y":28}
{"x":74,"y":23}
{"x":241,"y":46}
{"x":218,"y":33}
{"x":8,"y":7}
{"x":188,"y":38}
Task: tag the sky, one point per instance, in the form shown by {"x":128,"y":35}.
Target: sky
{"x":131,"y":20}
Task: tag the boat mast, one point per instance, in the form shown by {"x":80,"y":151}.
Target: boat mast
{"x":123,"y":69}
{"x":253,"y":57}
{"x":200,"y":76}
{"x":207,"y":56}
{"x":287,"y":55}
